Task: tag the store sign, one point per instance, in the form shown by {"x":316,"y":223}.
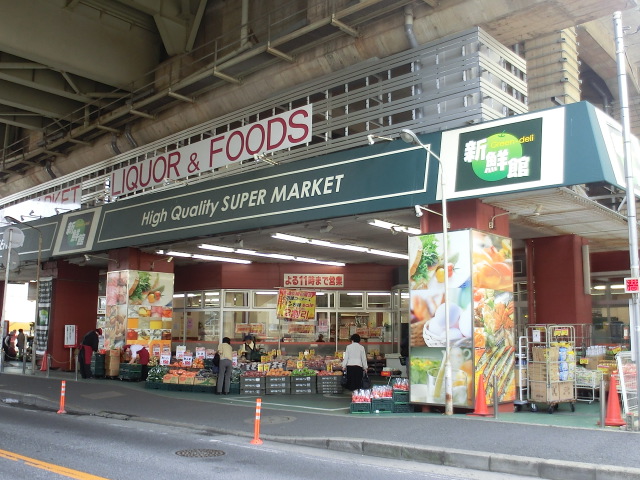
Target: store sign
{"x":296,"y":304}
{"x":314,"y":280}
{"x":506,"y":156}
{"x":70,"y":336}
{"x":77,"y":232}
{"x":279,"y":132}
{"x":631,"y":285}
{"x":314,"y":188}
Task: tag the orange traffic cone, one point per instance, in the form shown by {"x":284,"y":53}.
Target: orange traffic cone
{"x":481,"y":400}
{"x":45,"y":362}
{"x":614,"y":418}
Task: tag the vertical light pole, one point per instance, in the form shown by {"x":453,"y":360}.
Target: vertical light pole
{"x":4,"y":295}
{"x":634,"y":305}
{"x":35,"y":325}
{"x":410,"y":137}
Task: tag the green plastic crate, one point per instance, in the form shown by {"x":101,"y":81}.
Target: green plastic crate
{"x":360,"y":407}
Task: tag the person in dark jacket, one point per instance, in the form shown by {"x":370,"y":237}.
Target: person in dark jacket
{"x":89,"y":345}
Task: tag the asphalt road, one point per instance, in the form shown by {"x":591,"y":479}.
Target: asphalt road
{"x":38,"y":444}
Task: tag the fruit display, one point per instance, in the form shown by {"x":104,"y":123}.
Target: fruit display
{"x":277,"y":372}
{"x":401,"y":384}
{"x":382,"y":391}
{"x":327,"y":373}
{"x":361,"y":396}
{"x":252,"y":373}
{"x":303,"y":372}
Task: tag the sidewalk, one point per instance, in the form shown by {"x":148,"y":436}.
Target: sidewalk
{"x":523,"y":443}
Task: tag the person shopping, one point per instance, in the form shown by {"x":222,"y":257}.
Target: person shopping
{"x":354,"y":363}
{"x":89,"y":345}
{"x":226,"y":366}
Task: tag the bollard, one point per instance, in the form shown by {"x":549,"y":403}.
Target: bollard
{"x":62,"y":395}
{"x":256,"y":426}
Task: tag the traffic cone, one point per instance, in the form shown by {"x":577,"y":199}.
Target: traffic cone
{"x":481,"y":400}
{"x":45,"y":362}
{"x":613,"y":418}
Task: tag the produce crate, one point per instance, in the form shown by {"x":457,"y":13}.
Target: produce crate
{"x":327,"y":390}
{"x":278,"y":390}
{"x":278,"y":382}
{"x":400,"y":396}
{"x":252,"y":391}
{"x":381,"y":405}
{"x":234,"y":388}
{"x":328,"y":380}
{"x":153,"y":385}
{"x":361,"y":407}
{"x":130,"y":371}
{"x":97,"y":360}
{"x":252,"y":382}
{"x":302,"y":390}
{"x":402,"y":407}
{"x":303,"y":382}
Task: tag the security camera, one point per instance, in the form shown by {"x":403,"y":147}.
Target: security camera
{"x":418,"y":210}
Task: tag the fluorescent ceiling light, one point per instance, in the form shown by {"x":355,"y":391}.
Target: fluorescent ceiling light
{"x":179,"y":254}
{"x":381,"y":294}
{"x":217,"y":248}
{"x":394,"y":227}
{"x":278,"y":256}
{"x":599,"y":287}
{"x":384,"y":253}
{"x":617,"y":287}
{"x":267,"y":293}
{"x":219,"y":259}
{"x":323,"y":243}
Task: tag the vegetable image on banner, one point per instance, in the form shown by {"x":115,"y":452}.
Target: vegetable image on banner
{"x":296,"y":304}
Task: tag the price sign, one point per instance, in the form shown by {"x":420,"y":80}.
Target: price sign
{"x":180,"y":349}
{"x":631,"y":285}
{"x":584,"y":361}
{"x":165,"y":359}
{"x":201,"y":352}
{"x":187,"y":360}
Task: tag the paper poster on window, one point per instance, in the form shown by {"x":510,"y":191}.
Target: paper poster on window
{"x":296,"y":304}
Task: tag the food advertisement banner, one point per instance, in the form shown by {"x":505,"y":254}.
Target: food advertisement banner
{"x":139,"y":309}
{"x":296,"y":304}
{"x":45,"y":294}
{"x":481,"y":326}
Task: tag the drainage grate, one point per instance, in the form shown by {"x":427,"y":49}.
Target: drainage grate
{"x":200,"y":452}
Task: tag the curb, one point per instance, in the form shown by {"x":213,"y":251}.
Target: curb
{"x":481,"y":461}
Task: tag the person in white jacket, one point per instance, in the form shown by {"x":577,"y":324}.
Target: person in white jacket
{"x":354,"y":363}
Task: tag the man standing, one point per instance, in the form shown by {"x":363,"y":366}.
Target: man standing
{"x":89,"y":345}
{"x":20,"y":344}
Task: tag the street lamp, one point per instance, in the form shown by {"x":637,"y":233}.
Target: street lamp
{"x":35,"y":330}
{"x":410,"y":137}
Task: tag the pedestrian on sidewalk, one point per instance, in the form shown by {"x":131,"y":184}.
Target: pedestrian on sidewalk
{"x":354,"y":363}
{"x":89,"y":345}
{"x":7,"y":346}
{"x":20,"y":341}
{"x":226,"y":366}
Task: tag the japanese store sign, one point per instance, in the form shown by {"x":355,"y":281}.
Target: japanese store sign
{"x":282,"y":131}
{"x":505,"y":156}
{"x":314,"y":280}
{"x":296,"y":304}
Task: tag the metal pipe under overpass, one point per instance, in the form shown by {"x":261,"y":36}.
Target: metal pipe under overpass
{"x":634,"y":305}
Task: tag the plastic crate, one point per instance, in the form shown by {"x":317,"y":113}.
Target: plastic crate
{"x":277,"y":390}
{"x":278,"y":382}
{"x":234,"y":388}
{"x":402,"y":408}
{"x":360,"y":408}
{"x":302,"y":390}
{"x":381,"y":405}
{"x":327,"y":390}
{"x":252,"y":382}
{"x":401,"y":396}
{"x":307,"y":382}
{"x":252,"y":391}
{"x":329,"y":380}
{"x":153,"y":385}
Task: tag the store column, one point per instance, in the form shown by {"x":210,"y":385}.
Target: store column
{"x":139,"y":301}
{"x":465,"y":214}
{"x":555,"y":279}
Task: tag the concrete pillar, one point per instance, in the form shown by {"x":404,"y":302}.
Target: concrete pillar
{"x":555,"y":281}
{"x":465,"y":214}
{"x":553,"y":76}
